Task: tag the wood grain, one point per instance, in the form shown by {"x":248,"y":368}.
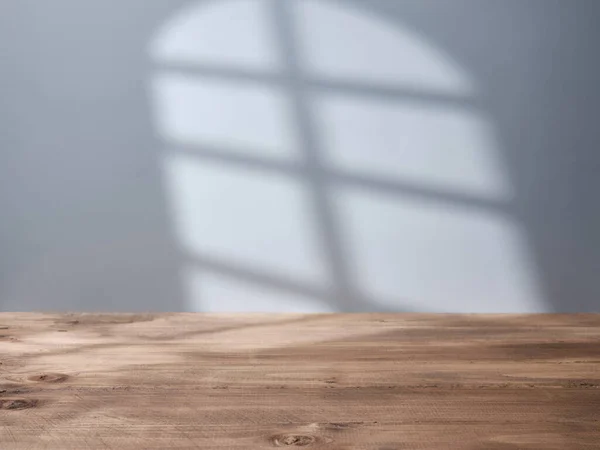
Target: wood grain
{"x":356,"y":381}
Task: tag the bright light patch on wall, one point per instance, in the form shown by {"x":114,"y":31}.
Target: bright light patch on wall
{"x":437,"y":146}
{"x":213,"y":292}
{"x":250,"y":219}
{"x":247,"y":118}
{"x":233,"y":33}
{"x":425,"y":255}
{"x":340,"y":42}
{"x":436,"y":257}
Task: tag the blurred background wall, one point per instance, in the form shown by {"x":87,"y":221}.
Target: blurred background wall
{"x":262,"y":155}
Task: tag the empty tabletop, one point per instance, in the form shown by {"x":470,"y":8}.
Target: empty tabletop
{"x":339,"y":381}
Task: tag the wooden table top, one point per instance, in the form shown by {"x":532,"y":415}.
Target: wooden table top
{"x":355,"y":381}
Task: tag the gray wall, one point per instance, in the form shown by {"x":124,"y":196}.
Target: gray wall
{"x":109,"y":201}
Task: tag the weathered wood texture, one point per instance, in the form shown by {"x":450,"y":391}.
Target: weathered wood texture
{"x":364,"y":381}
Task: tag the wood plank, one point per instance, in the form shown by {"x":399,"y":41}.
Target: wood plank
{"x":354,"y":381}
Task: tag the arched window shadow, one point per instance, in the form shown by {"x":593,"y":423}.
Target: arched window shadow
{"x":301,"y":156}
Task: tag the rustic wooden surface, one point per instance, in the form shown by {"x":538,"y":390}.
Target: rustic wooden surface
{"x":362,"y":381}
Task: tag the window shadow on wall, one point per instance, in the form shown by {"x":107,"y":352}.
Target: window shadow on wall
{"x":320,"y":149}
